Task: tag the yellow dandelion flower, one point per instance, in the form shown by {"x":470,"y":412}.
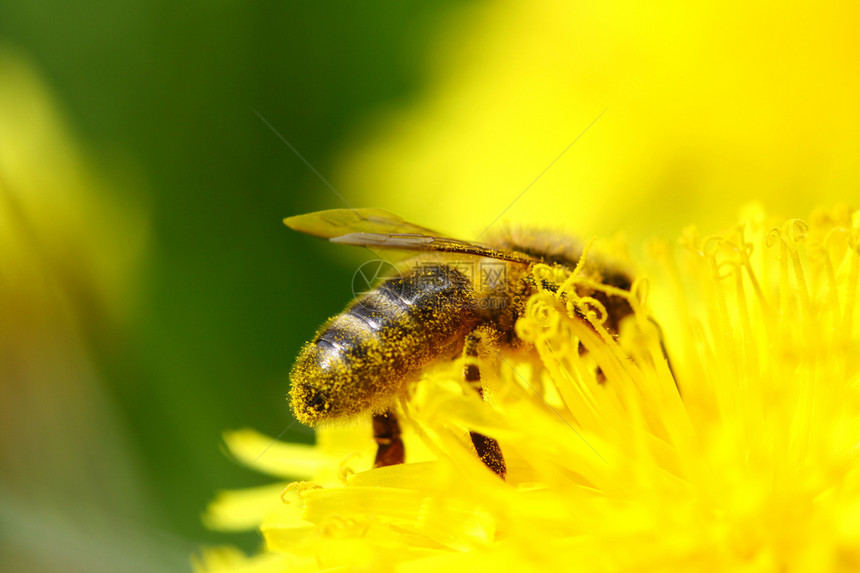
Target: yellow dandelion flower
{"x":740,"y":454}
{"x":691,"y":103}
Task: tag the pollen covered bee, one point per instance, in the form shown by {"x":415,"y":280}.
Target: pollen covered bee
{"x":447,"y":300}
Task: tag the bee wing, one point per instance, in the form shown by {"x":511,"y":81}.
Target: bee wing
{"x":422,"y":242}
{"x":339,"y":222}
{"x":377,"y":228}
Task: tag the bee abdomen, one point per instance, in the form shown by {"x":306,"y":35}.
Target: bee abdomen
{"x":363,"y":356}
{"x":429,"y":299}
{"x":362,"y":323}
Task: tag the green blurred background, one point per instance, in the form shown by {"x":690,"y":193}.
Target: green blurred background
{"x":152,"y":297}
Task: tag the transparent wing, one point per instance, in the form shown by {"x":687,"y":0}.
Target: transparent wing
{"x":338,"y":222}
{"x":377,"y":228}
{"x":421,"y":242}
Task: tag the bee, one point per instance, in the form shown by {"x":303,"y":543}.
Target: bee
{"x":446,"y":301}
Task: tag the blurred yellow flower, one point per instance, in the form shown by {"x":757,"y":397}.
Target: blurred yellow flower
{"x":70,"y":260}
{"x":707,"y":107}
{"x":752,"y":466}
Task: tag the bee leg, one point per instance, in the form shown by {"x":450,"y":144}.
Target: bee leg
{"x":389,"y":445}
{"x":666,"y":355}
{"x":487,"y":448}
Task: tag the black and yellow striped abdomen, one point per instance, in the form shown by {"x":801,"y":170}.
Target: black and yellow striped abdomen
{"x":362,"y":357}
